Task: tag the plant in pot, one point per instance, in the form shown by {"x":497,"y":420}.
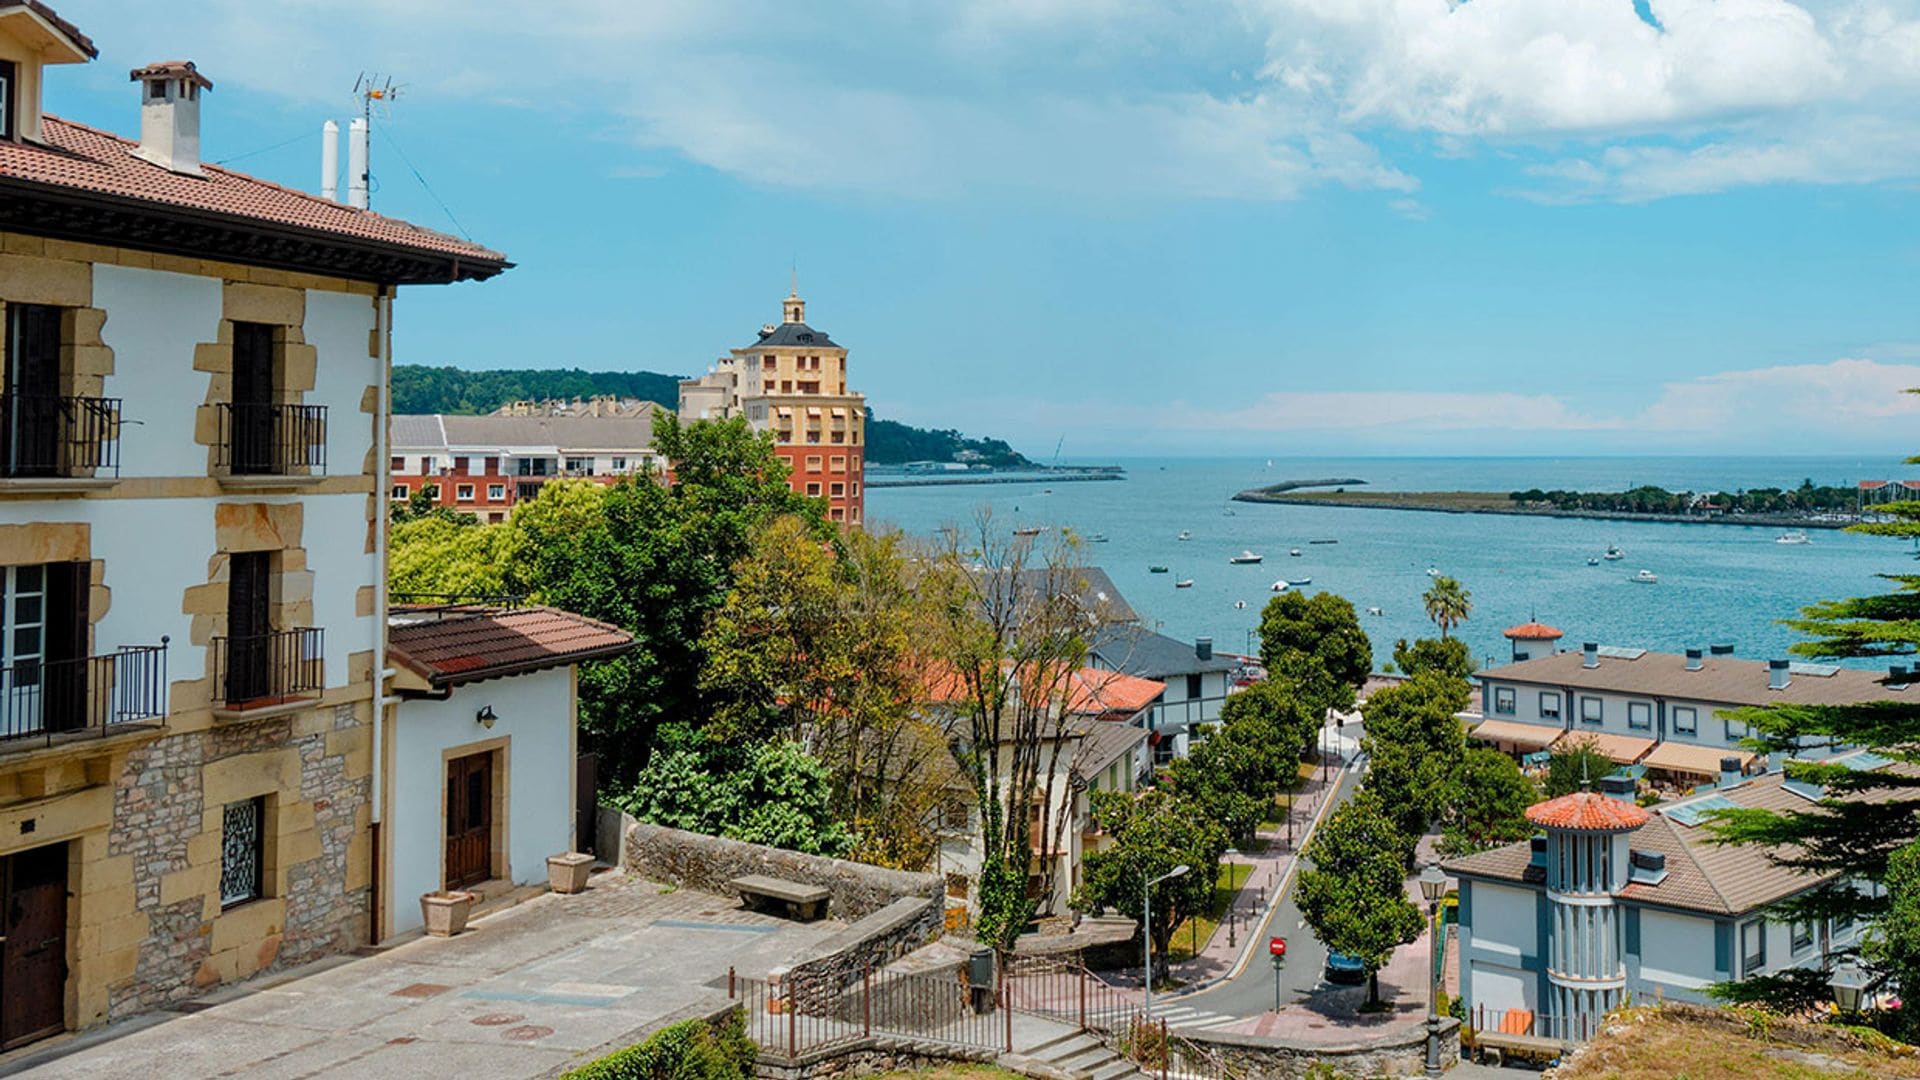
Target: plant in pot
{"x":446,"y":912}
{"x":567,"y":872}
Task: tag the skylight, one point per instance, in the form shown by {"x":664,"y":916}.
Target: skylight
{"x":1694,"y":812}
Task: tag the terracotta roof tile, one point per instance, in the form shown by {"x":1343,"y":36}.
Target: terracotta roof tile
{"x":83,"y":158}
{"x":1095,"y":691}
{"x":1587,"y":811}
{"x":1532,"y":631}
{"x":450,"y":647}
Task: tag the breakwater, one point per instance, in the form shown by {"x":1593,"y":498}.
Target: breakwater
{"x":1483,"y":502}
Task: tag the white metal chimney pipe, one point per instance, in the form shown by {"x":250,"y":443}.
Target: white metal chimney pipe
{"x":330,"y":161}
{"x":357,"y":163}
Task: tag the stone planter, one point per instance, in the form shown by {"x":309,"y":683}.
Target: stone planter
{"x":446,"y":912}
{"x":567,"y":873}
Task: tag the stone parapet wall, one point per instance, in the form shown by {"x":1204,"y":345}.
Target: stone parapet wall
{"x":677,"y":857}
{"x":1261,"y":1057}
{"x":868,"y":945}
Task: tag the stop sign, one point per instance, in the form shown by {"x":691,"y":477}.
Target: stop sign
{"x":1277,"y":946}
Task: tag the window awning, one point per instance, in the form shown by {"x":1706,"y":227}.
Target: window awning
{"x":813,"y":410}
{"x":1694,"y":760}
{"x":838,"y":411}
{"x":1623,"y":749}
{"x":1512,"y":732}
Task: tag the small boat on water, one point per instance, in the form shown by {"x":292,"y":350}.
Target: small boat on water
{"x":1645,"y":577}
{"x":1096,"y":538}
{"x":1433,"y":571}
{"x":1245,"y":558}
{"x":1295,"y":552}
{"x":1156,"y":569}
{"x":1301,"y":581}
{"x":1591,"y":561}
{"x":1793,"y":538}
{"x":1184,"y":535}
{"x":1323,"y":541}
{"x":1239,"y":605}
{"x":1280,"y":586}
{"x":1614,"y":554}
{"x":1030,"y":530}
{"x":1184,"y":583}
{"x":1375,"y":611}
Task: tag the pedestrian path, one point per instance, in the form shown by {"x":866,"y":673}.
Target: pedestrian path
{"x":1185,"y":1018}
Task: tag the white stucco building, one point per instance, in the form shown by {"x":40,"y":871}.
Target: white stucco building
{"x":482,"y":786}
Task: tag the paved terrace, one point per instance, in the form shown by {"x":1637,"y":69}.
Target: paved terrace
{"x":537,"y":986}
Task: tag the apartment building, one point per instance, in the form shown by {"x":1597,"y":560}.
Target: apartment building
{"x":792,"y":381}
{"x":192,"y":457}
{"x":483,"y":465}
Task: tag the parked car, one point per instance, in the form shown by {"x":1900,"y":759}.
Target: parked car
{"x":1345,"y":969}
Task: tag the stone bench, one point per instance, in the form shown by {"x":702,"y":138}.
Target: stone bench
{"x":803,"y":902}
{"x":1495,"y":1047}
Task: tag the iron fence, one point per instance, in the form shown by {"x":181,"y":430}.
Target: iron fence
{"x":1526,"y":1022}
{"x":272,"y":440}
{"x":1066,"y":991}
{"x":266,"y":669}
{"x":40,"y":699}
{"x":64,"y":436}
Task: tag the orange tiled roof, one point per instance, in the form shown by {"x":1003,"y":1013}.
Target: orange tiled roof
{"x":1092,"y":690}
{"x":1588,"y":812}
{"x":1533,"y":631}
{"x":83,"y":158}
{"x":466,"y":645}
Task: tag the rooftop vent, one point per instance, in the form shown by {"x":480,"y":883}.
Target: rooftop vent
{"x":1616,"y":786}
{"x":1647,"y":867}
{"x":1693,"y":660}
{"x":1778,"y":675}
{"x":1896,"y":676}
{"x":1725,"y":649}
{"x":1203,"y":648}
{"x":170,"y":115}
{"x":1590,"y":654}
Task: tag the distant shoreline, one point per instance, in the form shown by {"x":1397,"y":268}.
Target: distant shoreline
{"x":1061,"y":476}
{"x":1488,"y":502}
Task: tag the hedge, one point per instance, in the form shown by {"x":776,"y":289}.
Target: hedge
{"x":689,"y":1050}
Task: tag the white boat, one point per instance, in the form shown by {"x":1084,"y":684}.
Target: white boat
{"x":1645,"y":577}
{"x":1097,"y":538}
{"x":1375,"y":611}
{"x":1295,"y":552}
{"x":1280,"y":586}
{"x":1301,"y":581}
{"x":1184,"y":535}
{"x":1184,"y":583}
{"x":1793,"y":538}
{"x":1239,"y":605}
{"x":1433,"y":571}
{"x":1614,"y":554}
{"x":1245,"y":558}
{"x":1593,"y":562}
{"x":1030,"y":530}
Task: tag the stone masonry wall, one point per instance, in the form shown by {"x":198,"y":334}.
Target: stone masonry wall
{"x":677,"y":857}
{"x":167,"y":817}
{"x":1257,"y":1057}
{"x":868,"y":945}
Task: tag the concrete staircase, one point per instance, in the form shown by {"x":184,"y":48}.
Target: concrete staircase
{"x":1083,"y":1055}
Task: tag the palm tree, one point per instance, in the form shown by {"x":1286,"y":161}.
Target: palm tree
{"x":1448,"y":604}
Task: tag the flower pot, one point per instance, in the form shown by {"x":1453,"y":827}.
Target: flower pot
{"x":567,"y":873}
{"x":446,"y":912}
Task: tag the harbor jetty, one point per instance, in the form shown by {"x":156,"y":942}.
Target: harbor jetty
{"x":1496,"y":502}
{"x":969,"y":477}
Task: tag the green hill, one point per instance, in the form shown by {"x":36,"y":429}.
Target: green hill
{"x":418,"y":389}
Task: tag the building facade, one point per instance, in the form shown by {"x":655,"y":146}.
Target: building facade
{"x":1613,"y":901}
{"x":484,"y":465}
{"x":192,"y":459}
{"x":793,"y":382}
{"x":1197,"y":681}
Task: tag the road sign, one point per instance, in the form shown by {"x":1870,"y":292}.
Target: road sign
{"x":1277,"y":946}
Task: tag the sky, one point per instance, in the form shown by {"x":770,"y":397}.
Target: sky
{"x":1119,"y":227}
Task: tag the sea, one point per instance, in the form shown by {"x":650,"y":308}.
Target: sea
{"x":1717,"y":583}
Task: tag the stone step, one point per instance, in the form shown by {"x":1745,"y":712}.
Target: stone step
{"x":1115,"y":1069}
{"x":1087,"y":1060}
{"x":1066,"y":1046}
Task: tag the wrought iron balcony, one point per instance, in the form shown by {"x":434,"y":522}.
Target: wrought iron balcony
{"x":272,"y":440}
{"x":41,"y":699}
{"x":262,"y":671}
{"x":59,"y":437}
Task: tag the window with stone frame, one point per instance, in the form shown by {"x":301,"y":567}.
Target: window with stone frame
{"x":243,"y":851}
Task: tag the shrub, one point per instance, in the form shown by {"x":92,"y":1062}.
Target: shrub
{"x":689,"y":1050}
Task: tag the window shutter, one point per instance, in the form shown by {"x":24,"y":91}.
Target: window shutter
{"x":69,"y":602}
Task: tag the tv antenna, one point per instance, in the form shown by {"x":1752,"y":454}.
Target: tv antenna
{"x":368,"y":88}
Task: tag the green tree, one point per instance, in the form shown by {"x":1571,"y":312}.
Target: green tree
{"x":1892,"y":947}
{"x":1489,"y":807}
{"x":1151,"y":834}
{"x":1447,"y":656}
{"x":1354,"y":895}
{"x":1299,"y":634}
{"x":1448,"y":604}
{"x":771,"y":793}
{"x":1415,"y":745}
{"x":1576,"y":765}
{"x":437,"y":556}
{"x":1848,"y":835}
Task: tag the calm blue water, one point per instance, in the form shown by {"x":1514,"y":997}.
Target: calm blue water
{"x":1717,"y":583}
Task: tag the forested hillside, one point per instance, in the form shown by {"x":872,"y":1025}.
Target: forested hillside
{"x":419,"y":389}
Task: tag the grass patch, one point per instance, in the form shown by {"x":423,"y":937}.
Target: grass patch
{"x":1661,"y":1043}
{"x":1192,"y":935}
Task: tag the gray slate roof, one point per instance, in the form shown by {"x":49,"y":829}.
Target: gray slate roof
{"x":794,"y":336}
{"x":1721,"y":680}
{"x":1137,"y":650}
{"x":438,"y":432}
{"x":1104,"y":744}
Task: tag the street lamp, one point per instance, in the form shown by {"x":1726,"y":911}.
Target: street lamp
{"x":1849,"y":985}
{"x":1433,"y":886}
{"x":1146,"y":928}
{"x":1233,"y":895}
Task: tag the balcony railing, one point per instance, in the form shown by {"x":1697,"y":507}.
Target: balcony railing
{"x":40,"y":699}
{"x":264,"y":670}
{"x":272,"y":440}
{"x":59,"y":437}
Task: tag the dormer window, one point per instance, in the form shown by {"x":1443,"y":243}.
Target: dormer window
{"x":9,"y":73}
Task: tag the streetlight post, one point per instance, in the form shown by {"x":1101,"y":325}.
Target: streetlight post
{"x":1433,"y":886}
{"x":1146,"y":928}
{"x":1233,"y":896}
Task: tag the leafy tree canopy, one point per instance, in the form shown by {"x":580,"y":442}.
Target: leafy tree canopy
{"x":1446,"y":656}
{"x":1151,"y":834}
{"x":1354,"y":895}
{"x":1489,"y":806}
{"x":1415,"y":745}
{"x":770,"y":793}
{"x":1448,"y":603}
{"x":1576,"y":766}
{"x":1298,"y":633}
{"x":436,"y":556}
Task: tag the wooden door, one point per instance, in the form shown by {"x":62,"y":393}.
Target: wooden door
{"x":469,"y":820}
{"x":32,"y":414}
{"x":253,"y":432}
{"x":33,"y":955}
{"x":248,"y":644}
